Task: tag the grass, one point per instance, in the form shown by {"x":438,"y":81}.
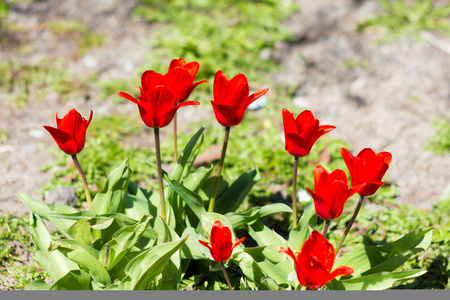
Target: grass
{"x":237,"y":31}
{"x":15,"y":243}
{"x":440,"y":142}
{"x":399,"y":18}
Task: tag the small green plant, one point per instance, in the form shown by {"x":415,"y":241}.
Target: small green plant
{"x":401,"y":19}
{"x":440,"y":142}
{"x":230,"y":32}
{"x":83,"y":36}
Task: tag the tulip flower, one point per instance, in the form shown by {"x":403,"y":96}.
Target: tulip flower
{"x":300,"y":135}
{"x":231,"y":98}
{"x":221,"y":245}
{"x":157,"y":104}
{"x":180,"y":81}
{"x":70,"y":136}
{"x":302,"y":132}
{"x":331,"y":193}
{"x":70,"y":133}
{"x":314,"y":262}
{"x":367,"y":167}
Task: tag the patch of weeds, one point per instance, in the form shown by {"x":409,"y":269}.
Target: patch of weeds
{"x":382,"y":220}
{"x":354,"y":63}
{"x":21,"y":82}
{"x":403,"y":19}
{"x":440,"y":142}
{"x":220,"y":34}
{"x":14,"y":242}
{"x":111,"y":87}
{"x":79,"y":32}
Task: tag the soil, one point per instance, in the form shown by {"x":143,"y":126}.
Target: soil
{"x":386,"y":101}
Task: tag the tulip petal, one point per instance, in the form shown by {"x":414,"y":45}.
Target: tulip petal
{"x":220,"y":88}
{"x":238,"y":242}
{"x":177,"y":63}
{"x":321,"y":206}
{"x":225,"y":114}
{"x":341,"y":271}
{"x":128,"y":97}
{"x":192,"y":68}
{"x":318,"y":249}
{"x":64,"y":141}
{"x":151,"y":79}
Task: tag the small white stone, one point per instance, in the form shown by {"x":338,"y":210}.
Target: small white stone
{"x":36,"y":133}
{"x":303,"y":196}
{"x":90,"y":62}
{"x":301,"y":102}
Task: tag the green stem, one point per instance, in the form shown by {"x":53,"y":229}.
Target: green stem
{"x":219,"y":170}
{"x":350,"y":224}
{"x":160,"y":179}
{"x":175,"y":152}
{"x":325,"y":228}
{"x":83,"y":178}
{"x":294,"y":194}
{"x":225,"y":274}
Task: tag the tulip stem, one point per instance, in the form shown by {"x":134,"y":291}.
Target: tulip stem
{"x":83,"y":178}
{"x":225,"y":272}
{"x":294,"y":195}
{"x":350,"y":224}
{"x":219,"y":170}
{"x":175,"y":152}
{"x":325,"y":228}
{"x":160,"y":180}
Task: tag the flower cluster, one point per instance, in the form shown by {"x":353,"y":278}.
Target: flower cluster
{"x":161,"y":95}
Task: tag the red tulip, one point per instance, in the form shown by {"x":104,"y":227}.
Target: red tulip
{"x":314,"y":262}
{"x":301,"y":133}
{"x":231,"y":98}
{"x":70,"y":133}
{"x":331,"y":192}
{"x":368,"y":168}
{"x":180,"y":79}
{"x":221,"y":244}
{"x":157,"y":104}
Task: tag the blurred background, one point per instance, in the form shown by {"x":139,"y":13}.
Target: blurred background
{"x":377,"y":70}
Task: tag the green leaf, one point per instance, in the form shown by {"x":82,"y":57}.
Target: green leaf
{"x":193,"y":200}
{"x":377,"y":281}
{"x":136,"y":203}
{"x":74,"y":280}
{"x":122,"y":241}
{"x":270,"y":263}
{"x":230,"y":200}
{"x":301,"y":233}
{"x":192,"y":249}
{"x":240,"y":219}
{"x":86,"y":257}
{"x":81,"y":231}
{"x":55,"y":263}
{"x":375,"y":259}
{"x":110,"y":199}
{"x":144,"y":268}
{"x":264,"y":236}
{"x":47,"y":212}
{"x":36,"y":285}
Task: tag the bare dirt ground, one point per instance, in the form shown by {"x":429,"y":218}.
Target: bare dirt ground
{"x":386,"y":102}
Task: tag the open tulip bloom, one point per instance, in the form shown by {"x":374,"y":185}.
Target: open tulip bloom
{"x":368,"y":168}
{"x":314,"y":262}
{"x":300,"y":135}
{"x":221,"y":245}
{"x":70,"y":132}
{"x":157,"y":103}
{"x":231,"y":98}
{"x":70,"y":136}
{"x":302,"y":132}
{"x":180,"y":81}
